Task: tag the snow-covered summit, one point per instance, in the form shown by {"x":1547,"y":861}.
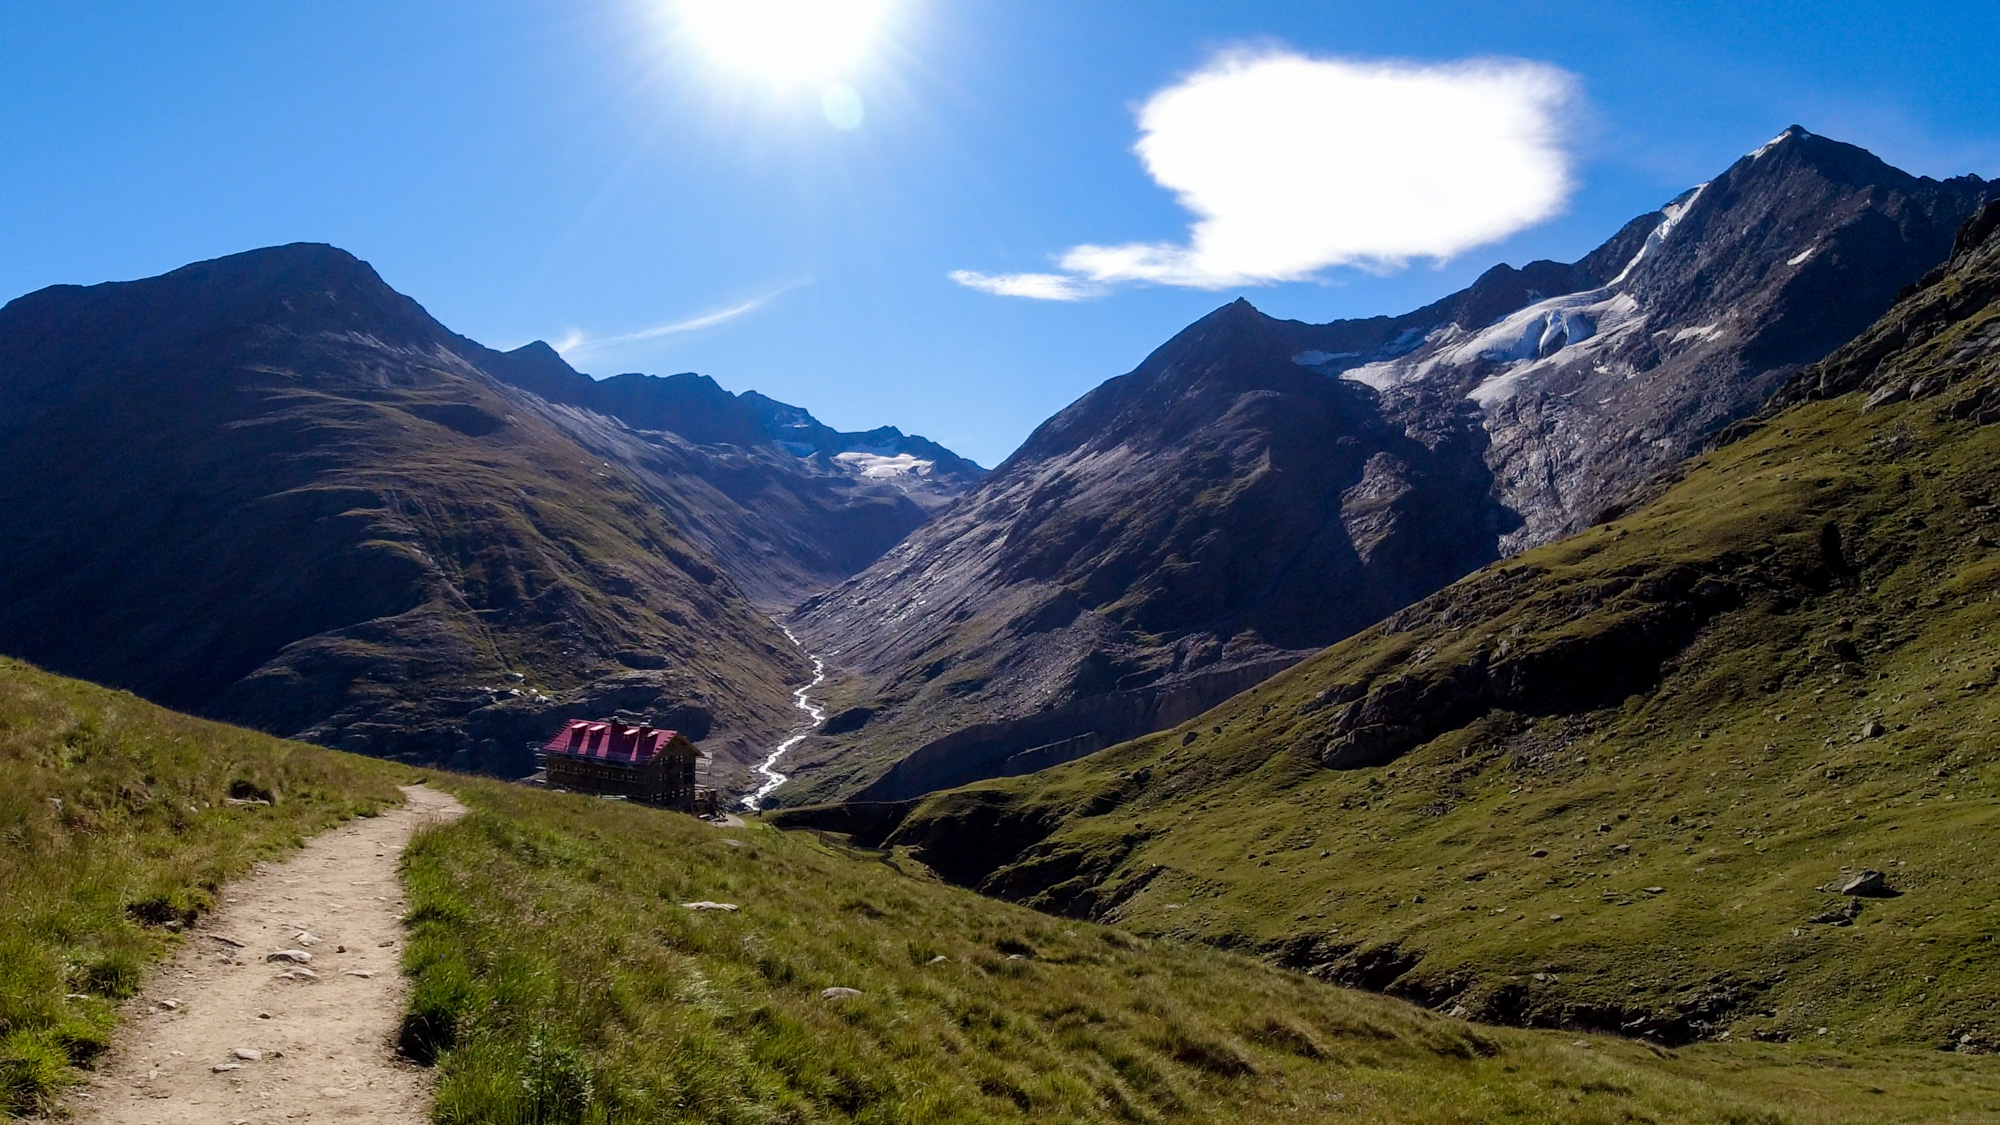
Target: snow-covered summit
{"x":1684,"y":322}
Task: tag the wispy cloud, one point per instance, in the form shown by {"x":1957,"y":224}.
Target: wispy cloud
{"x":1292,"y":165}
{"x":1041,"y":286}
{"x":579,"y":343}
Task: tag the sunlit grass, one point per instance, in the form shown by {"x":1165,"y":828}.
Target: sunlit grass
{"x":118,"y":829}
{"x":559,"y":978}
{"x":1651,"y":860}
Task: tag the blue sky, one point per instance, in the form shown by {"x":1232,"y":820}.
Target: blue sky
{"x":586,"y":172}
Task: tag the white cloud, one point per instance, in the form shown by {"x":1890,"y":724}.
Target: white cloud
{"x":578,"y":343}
{"x":1292,"y":165}
{"x":1041,"y":286}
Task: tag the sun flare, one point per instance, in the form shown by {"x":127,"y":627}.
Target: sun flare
{"x":786,"y":40}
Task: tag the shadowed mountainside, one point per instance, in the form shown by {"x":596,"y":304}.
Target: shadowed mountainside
{"x":271,"y":489}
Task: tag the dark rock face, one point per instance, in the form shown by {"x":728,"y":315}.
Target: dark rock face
{"x":1933,"y":342}
{"x":1260,"y":487}
{"x":272,"y":490}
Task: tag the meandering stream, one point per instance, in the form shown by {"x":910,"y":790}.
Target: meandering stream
{"x":802,"y":699}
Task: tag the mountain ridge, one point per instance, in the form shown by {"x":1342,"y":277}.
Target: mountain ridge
{"x":272,"y":489}
{"x":1518,"y":410}
{"x":696,"y":407}
{"x":1632,"y":781}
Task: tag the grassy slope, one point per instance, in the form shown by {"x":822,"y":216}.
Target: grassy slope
{"x":115,"y":820}
{"x":548,"y":937}
{"x":1676,"y":701}
{"x":550,"y":940}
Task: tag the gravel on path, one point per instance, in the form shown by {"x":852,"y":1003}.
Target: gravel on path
{"x":224,"y":1036}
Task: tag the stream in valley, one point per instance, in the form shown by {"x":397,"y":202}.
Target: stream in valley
{"x":802,"y":699}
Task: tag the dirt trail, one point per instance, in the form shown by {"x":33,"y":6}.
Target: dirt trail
{"x":222,"y":1037}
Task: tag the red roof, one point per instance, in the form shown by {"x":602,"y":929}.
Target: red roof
{"x":614,"y":744}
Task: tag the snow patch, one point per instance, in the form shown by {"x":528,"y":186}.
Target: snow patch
{"x":1801,"y":259}
{"x":1381,"y":375}
{"x":1774,"y":142}
{"x":1599,"y":318}
{"x":1699,"y":332}
{"x":1541,"y":329}
{"x":1671,"y":216}
{"x":1559,"y":332}
{"x":1406,"y":341}
{"x":1392,"y":371}
{"x":875,"y":466}
{"x":1545,"y":332}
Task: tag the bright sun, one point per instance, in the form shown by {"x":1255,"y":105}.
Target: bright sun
{"x":787,"y":40}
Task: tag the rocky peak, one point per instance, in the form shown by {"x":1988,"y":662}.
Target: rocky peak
{"x":1234,"y":351}
{"x":1684,"y":322}
{"x":691,"y":405}
{"x":1233,"y":342}
{"x":1798,"y":150}
{"x":1775,"y":210}
{"x":303,"y":286}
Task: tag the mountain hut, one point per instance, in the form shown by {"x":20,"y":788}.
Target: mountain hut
{"x":636,"y":762}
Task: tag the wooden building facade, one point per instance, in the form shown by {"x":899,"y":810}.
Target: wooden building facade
{"x":639,"y":763}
